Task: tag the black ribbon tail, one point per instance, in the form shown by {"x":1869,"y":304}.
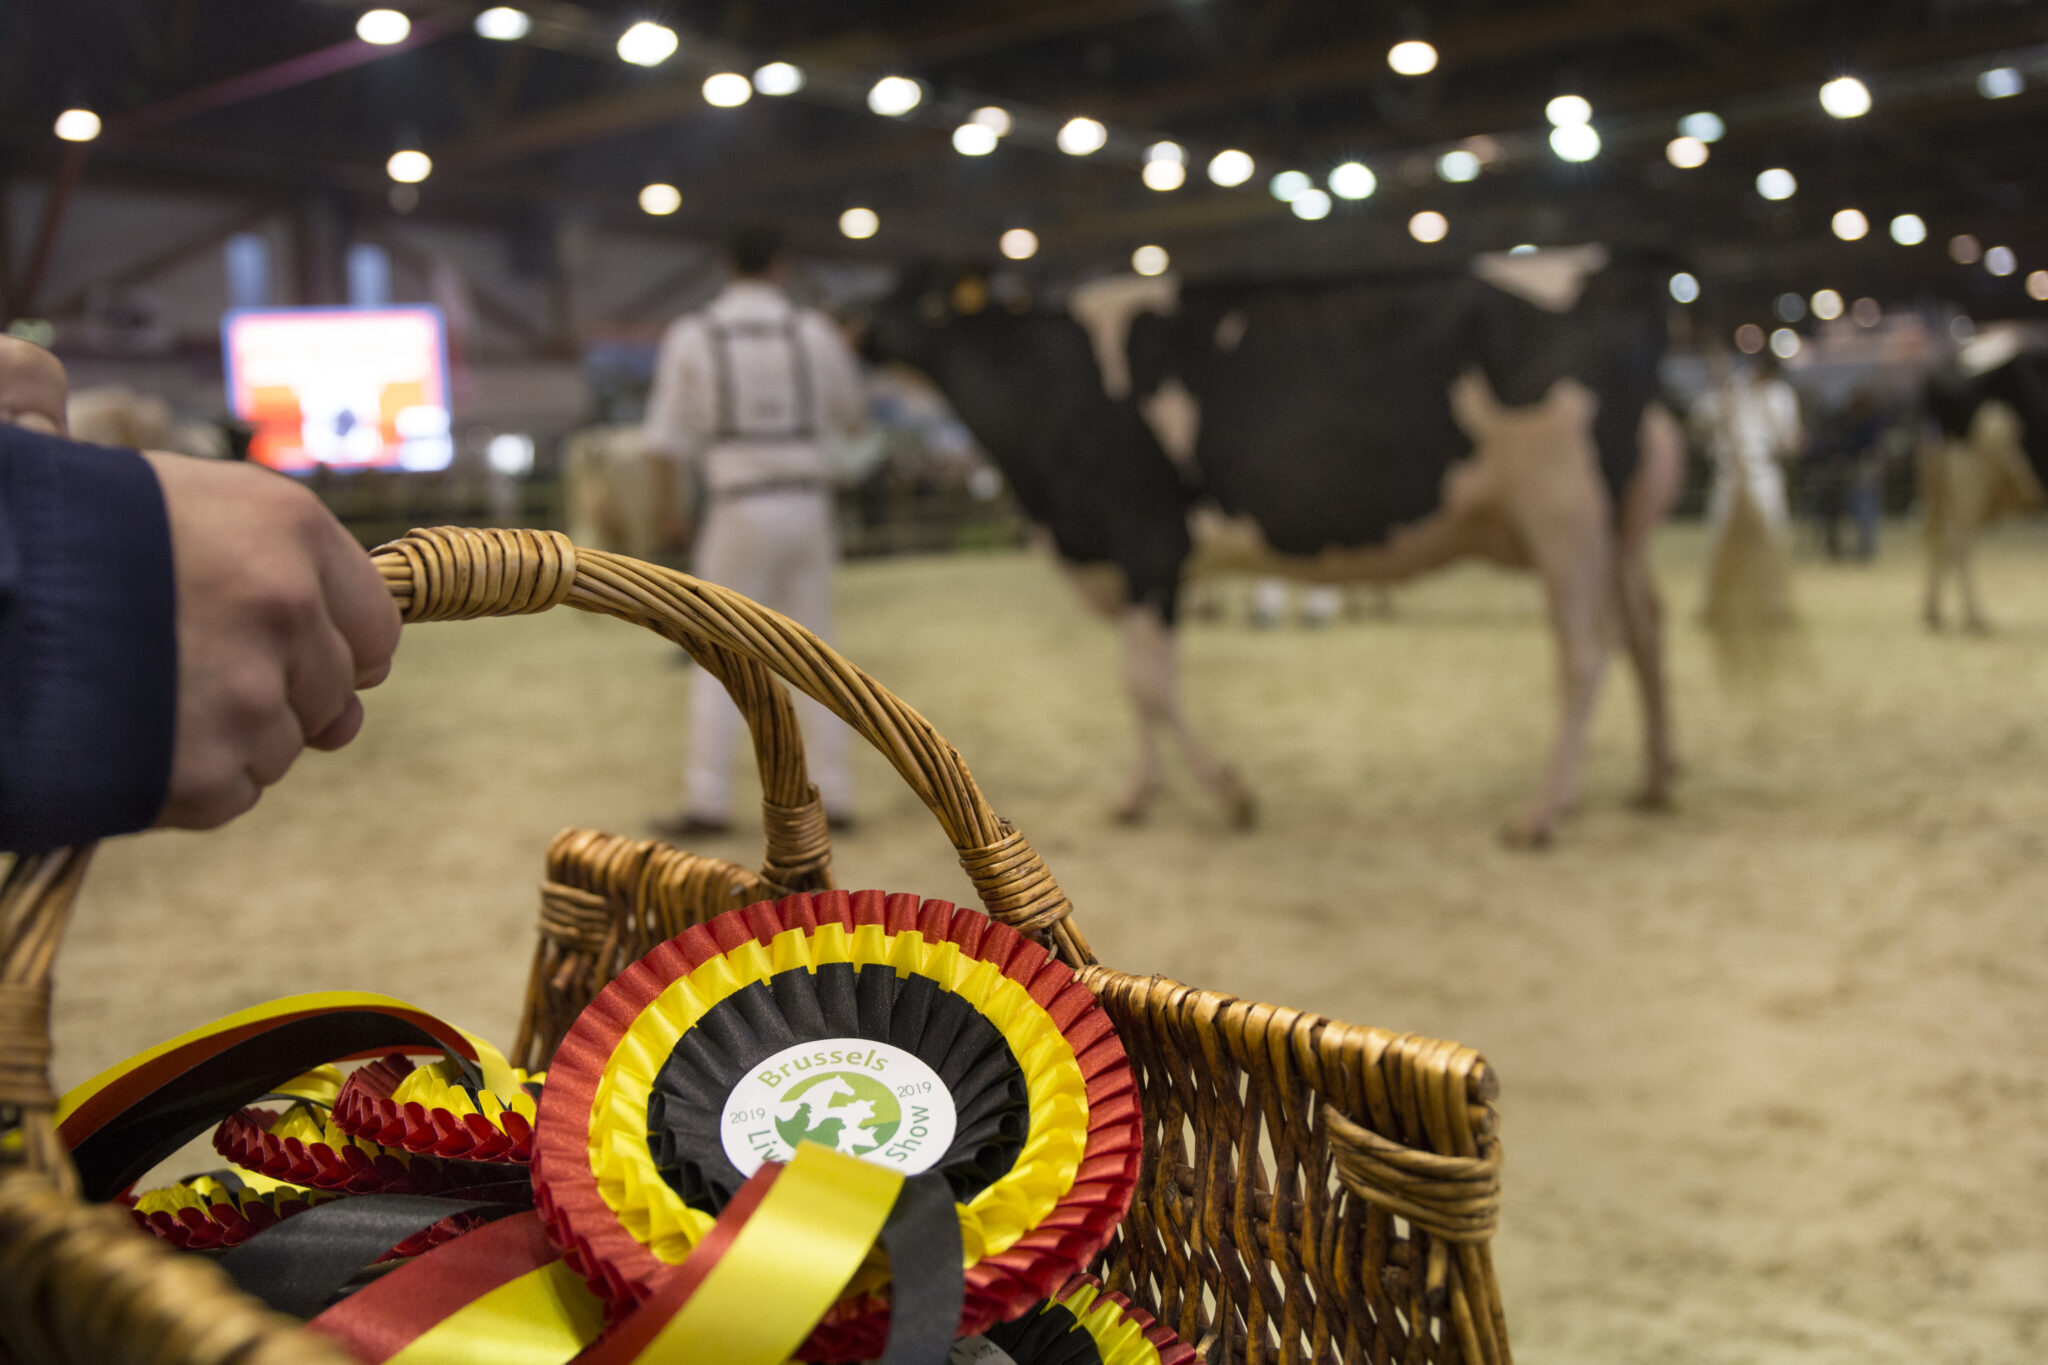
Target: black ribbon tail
{"x":927,"y":1280}
{"x":299,"y":1264}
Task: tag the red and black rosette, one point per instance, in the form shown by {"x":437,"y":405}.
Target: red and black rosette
{"x":1083,"y":1324}
{"x":911,"y":1034}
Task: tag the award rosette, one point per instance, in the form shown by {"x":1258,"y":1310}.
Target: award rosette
{"x":226,"y":1208}
{"x":1083,"y":1324}
{"x":916,"y":1036}
{"x":304,"y":1144}
{"x":432,"y":1109}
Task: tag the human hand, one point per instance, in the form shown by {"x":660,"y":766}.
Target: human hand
{"x":32,"y":387}
{"x":281,"y":618}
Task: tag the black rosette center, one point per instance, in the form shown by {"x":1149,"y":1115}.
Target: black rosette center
{"x":837,"y":1001}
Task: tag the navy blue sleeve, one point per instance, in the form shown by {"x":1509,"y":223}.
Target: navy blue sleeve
{"x":88,"y":642}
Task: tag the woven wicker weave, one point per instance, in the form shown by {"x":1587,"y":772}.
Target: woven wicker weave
{"x":1312,"y":1191}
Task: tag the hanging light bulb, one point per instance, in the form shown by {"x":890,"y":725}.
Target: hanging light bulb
{"x":1150,"y":260}
{"x":409,"y":167}
{"x":727,"y":89}
{"x":1353,"y":180}
{"x":1019,"y":244}
{"x":1230,"y":168}
{"x":779,"y":78}
{"x":648,"y":44}
{"x":895,"y":96}
{"x":1082,"y":137}
{"x":1310,"y":204}
{"x":1845,"y":97}
{"x":974,"y":139}
{"x":1164,"y":175}
{"x":1687,"y":153}
{"x":660,"y":200}
{"x":77,"y":125}
{"x":1909,"y":229}
{"x":1412,"y":58}
{"x":859,"y":223}
{"x":1429,"y":226}
{"x":383,"y":27}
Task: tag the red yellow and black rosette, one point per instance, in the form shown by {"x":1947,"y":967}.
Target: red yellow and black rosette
{"x":1083,"y":1324}
{"x":635,"y":1151}
{"x":303,"y":1144}
{"x":226,"y":1208}
{"x":433,"y":1109}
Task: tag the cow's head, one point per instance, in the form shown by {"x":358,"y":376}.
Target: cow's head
{"x":910,"y":323}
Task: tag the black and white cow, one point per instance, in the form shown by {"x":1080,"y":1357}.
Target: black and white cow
{"x":1336,"y":430}
{"x":1989,"y":458}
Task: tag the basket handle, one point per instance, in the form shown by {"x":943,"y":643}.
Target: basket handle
{"x":461,"y":573}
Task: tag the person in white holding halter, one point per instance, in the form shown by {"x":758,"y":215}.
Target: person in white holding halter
{"x":747,"y":389}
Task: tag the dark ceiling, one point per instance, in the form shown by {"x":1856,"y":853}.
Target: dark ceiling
{"x":276,"y":100}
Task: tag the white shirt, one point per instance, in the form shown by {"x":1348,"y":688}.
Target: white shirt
{"x":751,"y":385}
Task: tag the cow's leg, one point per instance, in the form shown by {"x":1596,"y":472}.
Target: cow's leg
{"x":1964,"y":557}
{"x":1576,"y":581}
{"x":1640,"y":608}
{"x":1152,"y":675}
{"x":1937,"y":559}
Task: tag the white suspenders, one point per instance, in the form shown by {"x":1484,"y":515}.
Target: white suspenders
{"x":791,"y":414}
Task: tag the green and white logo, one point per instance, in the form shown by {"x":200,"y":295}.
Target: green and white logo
{"x":865,"y":1099}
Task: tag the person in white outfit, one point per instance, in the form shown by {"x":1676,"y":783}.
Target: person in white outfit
{"x":1750,"y":422}
{"x":747,"y":389}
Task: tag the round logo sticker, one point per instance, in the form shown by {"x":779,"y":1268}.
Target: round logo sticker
{"x":865,"y":1099}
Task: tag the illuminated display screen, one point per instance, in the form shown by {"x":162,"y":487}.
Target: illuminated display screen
{"x":350,"y":388}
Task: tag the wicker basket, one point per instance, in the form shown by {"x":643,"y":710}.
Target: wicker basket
{"x":1312,"y":1191}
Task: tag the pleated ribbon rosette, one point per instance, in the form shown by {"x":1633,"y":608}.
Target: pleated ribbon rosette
{"x":915,"y":1035}
{"x":1083,"y":1324}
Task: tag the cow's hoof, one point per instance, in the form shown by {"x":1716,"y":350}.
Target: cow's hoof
{"x":1527,"y":835}
{"x":1652,"y":801}
{"x":1244,"y":812}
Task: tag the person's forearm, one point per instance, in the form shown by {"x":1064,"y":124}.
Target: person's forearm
{"x":88,"y":643}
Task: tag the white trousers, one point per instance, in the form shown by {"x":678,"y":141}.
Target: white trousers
{"x":779,"y":549}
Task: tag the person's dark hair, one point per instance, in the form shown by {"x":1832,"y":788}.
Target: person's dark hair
{"x":754,"y":249}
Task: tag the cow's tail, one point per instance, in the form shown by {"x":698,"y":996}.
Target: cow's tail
{"x":1748,"y":611}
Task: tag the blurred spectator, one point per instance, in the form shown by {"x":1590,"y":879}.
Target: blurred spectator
{"x":1850,"y":455}
{"x":749,"y":388}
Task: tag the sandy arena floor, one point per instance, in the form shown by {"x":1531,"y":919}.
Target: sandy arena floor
{"x":1775,"y":1066}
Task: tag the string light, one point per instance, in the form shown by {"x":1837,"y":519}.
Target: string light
{"x":1687,"y":153}
{"x":1684,"y":287}
{"x":409,"y":167}
{"x":1776,"y":183}
{"x":779,"y":78}
{"x":1827,"y":305}
{"x":1164,"y":175}
{"x":1231,"y":168}
{"x":1082,"y":137}
{"x":1019,"y":244}
{"x":1705,"y":126}
{"x":1850,"y":225}
{"x":1999,"y":260}
{"x":660,"y":200}
{"x":727,"y":89}
{"x":974,"y":139}
{"x":503,"y":24}
{"x":1310,"y":204}
{"x":1909,"y":229}
{"x":859,"y":224}
{"x":1575,"y":142}
{"x":1429,"y":226}
{"x":1784,"y":343}
{"x":1165,"y":166}
{"x":895,"y":96}
{"x":1566,"y":110}
{"x":648,"y":44}
{"x":1845,"y":97}
{"x":77,"y":125}
{"x":1412,"y":58}
{"x":2000,"y":83}
{"x":1963,"y":249}
{"x":1286,"y":185}
{"x":1458,"y":166}
{"x":1150,"y":260}
{"x":383,"y":27}
{"x":1353,"y":180}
